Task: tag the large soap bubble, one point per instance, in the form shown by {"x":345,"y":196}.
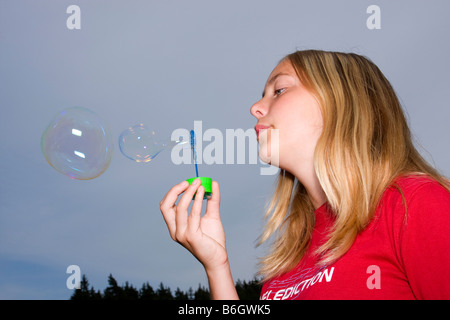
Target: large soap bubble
{"x":141,"y":144}
{"x":77,"y":143}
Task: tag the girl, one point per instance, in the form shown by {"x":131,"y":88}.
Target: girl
{"x":357,"y":212}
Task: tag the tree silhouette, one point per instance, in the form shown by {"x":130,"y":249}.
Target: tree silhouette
{"x":163,"y":293}
{"x":202,"y":293}
{"x":190,"y":294}
{"x":129,"y":292}
{"x":180,"y":295}
{"x":113,"y":291}
{"x":146,"y":292}
{"x":246,"y":291}
{"x":84,"y":293}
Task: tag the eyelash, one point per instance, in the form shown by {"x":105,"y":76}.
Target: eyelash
{"x":279,"y":91}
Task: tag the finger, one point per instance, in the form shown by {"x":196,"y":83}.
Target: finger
{"x":167,"y":206}
{"x":213,"y":204}
{"x":196,"y":211}
{"x":186,"y":199}
{"x":169,"y":199}
{"x":181,"y":216}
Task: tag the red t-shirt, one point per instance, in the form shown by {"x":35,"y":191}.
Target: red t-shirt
{"x":397,"y":256}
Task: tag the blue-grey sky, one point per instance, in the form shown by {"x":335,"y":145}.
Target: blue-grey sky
{"x":168,"y":64}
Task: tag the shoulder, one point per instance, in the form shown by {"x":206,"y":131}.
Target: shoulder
{"x":423,"y":238}
{"x":415,"y":189}
{"x":418,"y":209}
{"x":415,"y":202}
{"x":412,"y":182}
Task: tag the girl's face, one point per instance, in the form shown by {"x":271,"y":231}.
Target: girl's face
{"x":292,"y":113}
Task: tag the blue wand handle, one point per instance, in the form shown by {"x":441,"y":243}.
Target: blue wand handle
{"x":194,"y":152}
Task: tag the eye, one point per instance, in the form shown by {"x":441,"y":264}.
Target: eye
{"x":279,"y":91}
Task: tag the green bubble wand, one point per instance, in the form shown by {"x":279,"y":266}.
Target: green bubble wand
{"x":205,"y":181}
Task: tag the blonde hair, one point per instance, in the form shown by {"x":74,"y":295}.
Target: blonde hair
{"x":364,"y":146}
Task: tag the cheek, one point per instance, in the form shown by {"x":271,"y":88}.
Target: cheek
{"x":303,"y":131}
{"x":310,"y":120}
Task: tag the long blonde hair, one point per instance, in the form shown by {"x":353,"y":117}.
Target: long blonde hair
{"x":364,"y":146}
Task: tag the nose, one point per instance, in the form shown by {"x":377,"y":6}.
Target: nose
{"x":257,"y":110}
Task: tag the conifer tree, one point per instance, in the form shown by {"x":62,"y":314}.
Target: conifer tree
{"x":112,"y":291}
{"x":180,"y":295}
{"x":163,"y":293}
{"x":146,"y":292}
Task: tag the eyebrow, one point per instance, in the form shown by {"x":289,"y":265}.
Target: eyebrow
{"x":273,"y":78}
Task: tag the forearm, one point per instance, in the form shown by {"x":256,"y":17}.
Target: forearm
{"x":221,"y":284}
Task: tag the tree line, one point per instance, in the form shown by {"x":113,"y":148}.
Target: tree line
{"x":246,"y":290}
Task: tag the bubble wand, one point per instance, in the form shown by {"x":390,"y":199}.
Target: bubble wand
{"x":205,"y":181}
{"x":138,"y":144}
{"x":194,"y":152}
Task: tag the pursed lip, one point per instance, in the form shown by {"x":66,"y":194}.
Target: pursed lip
{"x":259,"y":128}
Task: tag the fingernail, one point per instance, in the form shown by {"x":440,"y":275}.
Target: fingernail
{"x":196,"y":182}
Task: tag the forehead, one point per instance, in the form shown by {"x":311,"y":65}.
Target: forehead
{"x":283,"y":68}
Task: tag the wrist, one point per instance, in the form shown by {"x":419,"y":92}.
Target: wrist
{"x":221,"y":282}
{"x":219,"y":269}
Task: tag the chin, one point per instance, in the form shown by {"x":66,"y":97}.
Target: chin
{"x":263,"y":156}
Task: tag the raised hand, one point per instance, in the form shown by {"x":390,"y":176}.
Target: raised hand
{"x":203,"y":236}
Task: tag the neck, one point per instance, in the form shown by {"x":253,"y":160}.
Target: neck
{"x":309,"y":180}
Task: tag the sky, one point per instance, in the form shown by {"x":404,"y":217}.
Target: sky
{"x":168,"y":64}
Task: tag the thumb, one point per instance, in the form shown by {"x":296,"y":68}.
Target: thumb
{"x":213,"y":204}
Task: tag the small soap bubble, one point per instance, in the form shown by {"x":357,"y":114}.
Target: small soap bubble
{"x":141,"y":144}
{"x":77,"y":143}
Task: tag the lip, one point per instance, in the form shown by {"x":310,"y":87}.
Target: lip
{"x":259,"y":128}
